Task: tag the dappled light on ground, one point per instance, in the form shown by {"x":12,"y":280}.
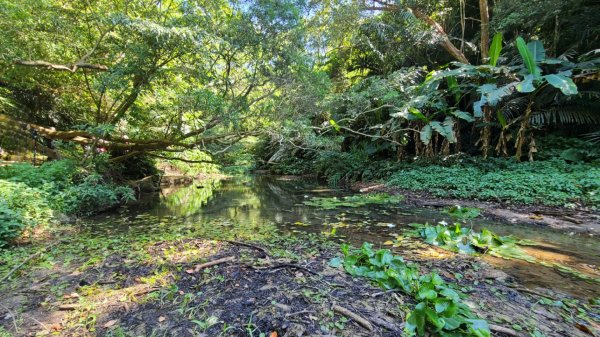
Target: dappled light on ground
{"x":142,"y":270}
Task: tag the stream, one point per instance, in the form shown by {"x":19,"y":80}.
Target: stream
{"x":256,"y":205}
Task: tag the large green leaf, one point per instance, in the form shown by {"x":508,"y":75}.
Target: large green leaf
{"x":444,"y":129}
{"x":526,"y":85}
{"x":335,"y":125}
{"x":463,"y":115}
{"x":563,"y":83}
{"x":418,"y":114}
{"x":501,"y":118}
{"x":528,"y":58}
{"x":426,"y":134}
{"x":536,"y":48}
{"x":453,"y":87}
{"x":495,"y":49}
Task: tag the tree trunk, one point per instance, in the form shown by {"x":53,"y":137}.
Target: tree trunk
{"x":383,"y":5}
{"x":446,"y":43}
{"x":485,"y":29}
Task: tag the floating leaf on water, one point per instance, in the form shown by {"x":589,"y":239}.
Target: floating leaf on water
{"x":354,"y":200}
{"x":463,"y":212}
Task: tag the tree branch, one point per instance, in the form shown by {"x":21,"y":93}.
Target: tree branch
{"x":61,"y":67}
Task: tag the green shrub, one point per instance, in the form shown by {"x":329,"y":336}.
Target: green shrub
{"x":29,"y":195}
{"x":93,"y":195}
{"x":21,"y":208}
{"x":53,"y":175}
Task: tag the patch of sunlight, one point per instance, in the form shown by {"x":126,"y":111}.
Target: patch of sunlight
{"x":189,"y":251}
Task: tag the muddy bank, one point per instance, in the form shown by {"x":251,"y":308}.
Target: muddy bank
{"x":284,"y":287}
{"x":578,"y":220}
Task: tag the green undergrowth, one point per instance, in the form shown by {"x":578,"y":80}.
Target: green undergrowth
{"x":465,"y":240}
{"x":358,"y":200}
{"x":86,"y":246}
{"x":440,"y":309}
{"x":552,"y":182}
{"x":32,"y":196}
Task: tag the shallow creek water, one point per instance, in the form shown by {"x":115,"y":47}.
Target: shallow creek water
{"x":258,"y":202}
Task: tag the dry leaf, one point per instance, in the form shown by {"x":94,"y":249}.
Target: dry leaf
{"x":162,"y":318}
{"x":110,"y":323}
{"x":273,"y":334}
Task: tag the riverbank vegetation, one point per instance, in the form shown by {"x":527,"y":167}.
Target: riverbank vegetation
{"x":481,"y":102}
{"x":350,"y":91}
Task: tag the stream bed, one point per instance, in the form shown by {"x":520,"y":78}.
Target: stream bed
{"x":261,"y":204}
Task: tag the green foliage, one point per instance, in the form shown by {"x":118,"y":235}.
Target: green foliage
{"x":495,"y":49}
{"x":21,"y":208}
{"x":463,"y":212}
{"x":93,"y":195}
{"x":529,"y":59}
{"x":31,"y":195}
{"x":358,"y":200}
{"x":439,"y":310}
{"x":54,"y":175}
{"x":468,"y":241}
{"x":465,"y":240}
{"x":552,"y":182}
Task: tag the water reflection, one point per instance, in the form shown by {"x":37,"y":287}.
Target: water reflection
{"x":253,"y":205}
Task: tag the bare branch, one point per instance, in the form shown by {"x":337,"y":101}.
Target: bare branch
{"x":61,"y":67}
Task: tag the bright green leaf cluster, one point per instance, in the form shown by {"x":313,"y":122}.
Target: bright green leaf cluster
{"x":439,"y":310}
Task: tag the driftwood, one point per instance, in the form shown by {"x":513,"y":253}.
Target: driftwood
{"x":363,"y":322}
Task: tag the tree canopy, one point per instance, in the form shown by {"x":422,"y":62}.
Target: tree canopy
{"x":160,"y":77}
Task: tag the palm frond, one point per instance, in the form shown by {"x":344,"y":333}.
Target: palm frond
{"x":578,"y":115}
{"x":593,"y":137}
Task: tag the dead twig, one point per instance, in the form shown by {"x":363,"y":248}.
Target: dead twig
{"x":385,"y":292}
{"x":249,"y":245}
{"x":506,"y":331}
{"x":385,"y":324}
{"x":299,"y":313}
{"x":291,"y":265}
{"x":12,"y":315}
{"x":531,"y":292}
{"x":30,"y":257}
{"x":358,"y":319}
{"x":210,"y":264}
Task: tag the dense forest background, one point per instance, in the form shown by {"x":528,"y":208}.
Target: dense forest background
{"x":453,"y":97}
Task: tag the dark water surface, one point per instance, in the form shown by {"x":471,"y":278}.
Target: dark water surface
{"x":260,"y":203}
